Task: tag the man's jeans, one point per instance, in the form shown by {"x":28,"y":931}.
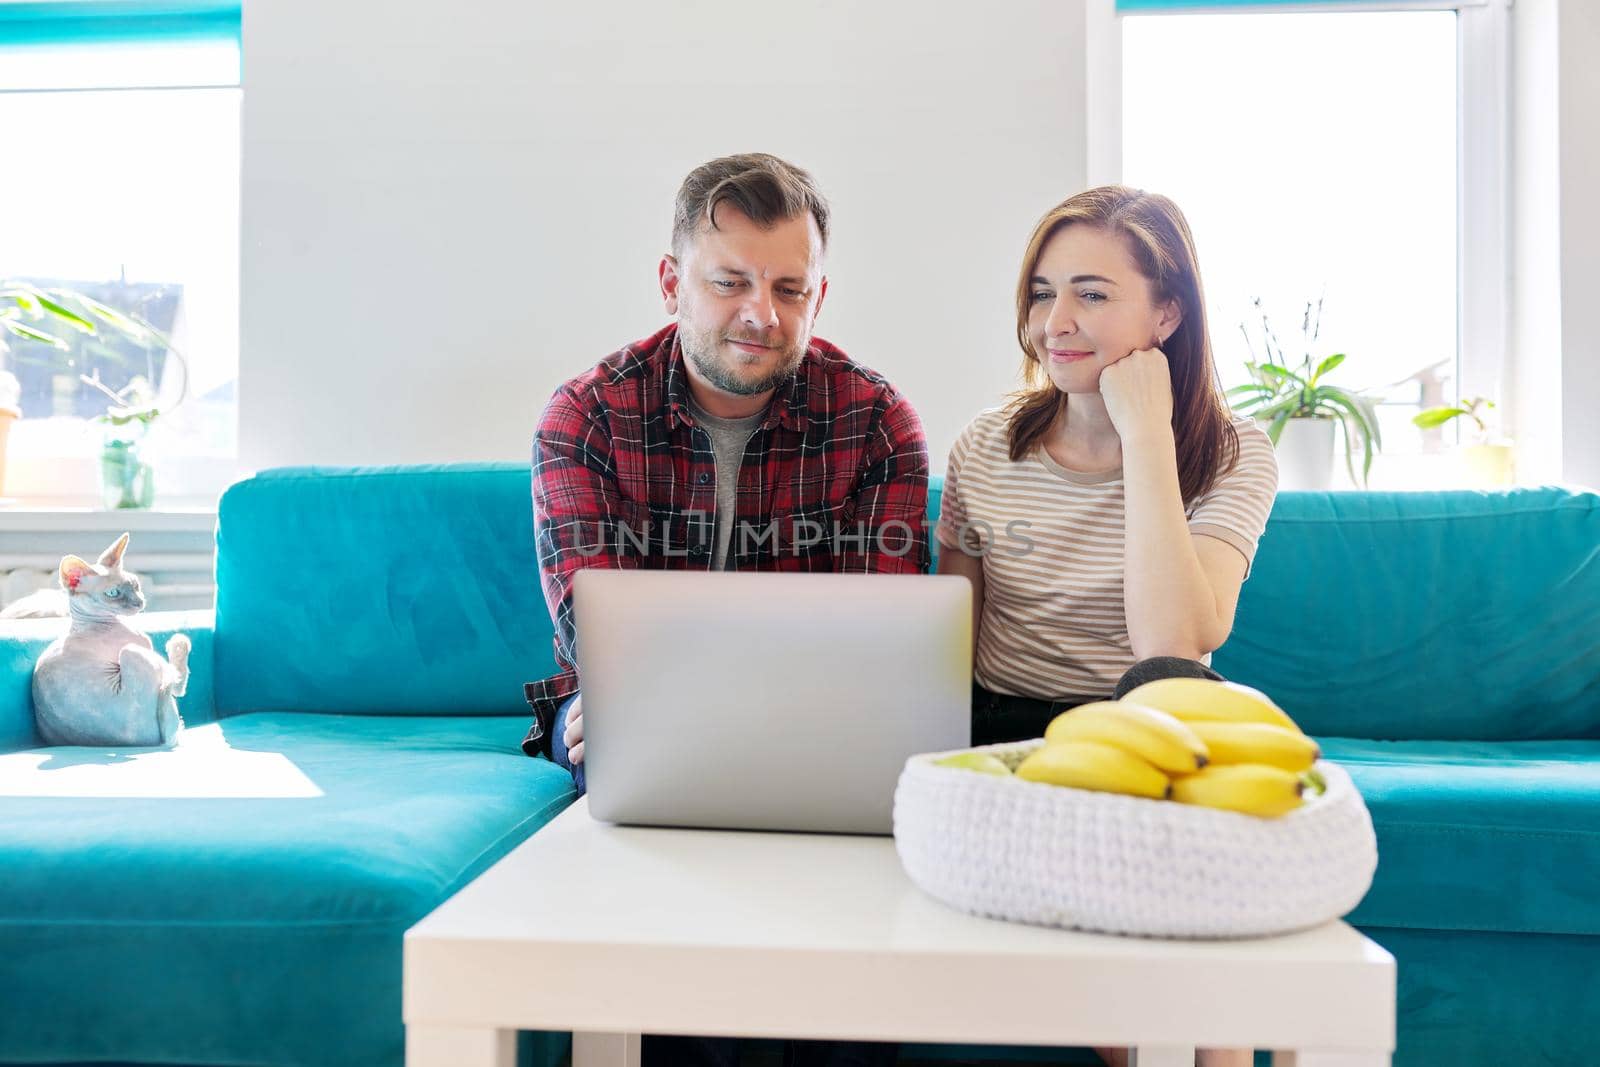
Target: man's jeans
{"x":558,"y":745}
{"x":661,"y":1051}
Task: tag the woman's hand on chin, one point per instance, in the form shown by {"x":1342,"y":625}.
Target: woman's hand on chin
{"x":1137,"y":390}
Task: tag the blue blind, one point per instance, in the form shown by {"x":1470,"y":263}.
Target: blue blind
{"x":119,"y":21}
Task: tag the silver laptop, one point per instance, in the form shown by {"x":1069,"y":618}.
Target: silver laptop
{"x":759,"y":701}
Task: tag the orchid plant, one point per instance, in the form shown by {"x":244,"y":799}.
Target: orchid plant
{"x":1279,"y":392}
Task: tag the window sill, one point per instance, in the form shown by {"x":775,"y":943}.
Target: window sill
{"x":199,"y":514}
{"x":70,"y":485}
{"x":1421,"y":472}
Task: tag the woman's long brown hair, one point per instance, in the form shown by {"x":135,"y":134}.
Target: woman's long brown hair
{"x":1159,"y":238}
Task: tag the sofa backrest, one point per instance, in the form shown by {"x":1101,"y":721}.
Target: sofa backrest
{"x":415,"y":590}
{"x":1441,"y":615}
{"x":379,"y":590}
{"x":1452,"y":615}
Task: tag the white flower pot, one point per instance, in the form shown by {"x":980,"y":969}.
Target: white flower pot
{"x":1305,"y":454}
{"x":1489,"y":466}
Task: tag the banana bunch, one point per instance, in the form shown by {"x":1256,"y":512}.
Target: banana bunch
{"x":1192,"y":740}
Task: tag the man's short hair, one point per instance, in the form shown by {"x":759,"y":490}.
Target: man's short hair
{"x":764,"y":187}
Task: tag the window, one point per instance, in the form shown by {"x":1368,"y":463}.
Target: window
{"x":1327,"y":157}
{"x":122,"y":182}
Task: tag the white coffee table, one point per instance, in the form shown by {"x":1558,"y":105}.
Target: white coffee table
{"x":611,"y":932}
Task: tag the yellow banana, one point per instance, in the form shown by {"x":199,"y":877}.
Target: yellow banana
{"x":1152,"y":735}
{"x":1091,"y":765}
{"x":1205,"y":700}
{"x":1257,"y":742}
{"x":1251,"y":788}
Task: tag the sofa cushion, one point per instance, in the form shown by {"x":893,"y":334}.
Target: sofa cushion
{"x":262,"y":926}
{"x":1427,"y":616}
{"x":380,"y":591}
{"x":1498,"y":836}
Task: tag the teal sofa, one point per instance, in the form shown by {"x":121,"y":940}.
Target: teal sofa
{"x":1445,"y":649}
{"x":372,"y":632}
{"x":363,"y":670}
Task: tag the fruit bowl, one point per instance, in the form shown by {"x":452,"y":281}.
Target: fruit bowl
{"x":1031,"y":852}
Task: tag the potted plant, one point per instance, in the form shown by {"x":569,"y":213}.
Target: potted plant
{"x":126,"y":477}
{"x":1486,"y":461}
{"x":1301,"y":410}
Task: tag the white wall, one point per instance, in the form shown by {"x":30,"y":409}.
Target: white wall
{"x":1535,"y":232}
{"x":1580,"y":242}
{"x":1556,"y":240}
{"x":446,"y":212}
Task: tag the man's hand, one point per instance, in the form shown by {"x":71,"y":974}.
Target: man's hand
{"x":1137,"y":391}
{"x":573,"y":738}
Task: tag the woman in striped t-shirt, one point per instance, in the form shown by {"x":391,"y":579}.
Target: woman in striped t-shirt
{"x":1108,"y":516}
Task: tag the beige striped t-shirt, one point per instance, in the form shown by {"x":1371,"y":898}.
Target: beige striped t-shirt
{"x":1053,"y":624}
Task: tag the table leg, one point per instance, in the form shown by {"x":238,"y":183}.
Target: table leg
{"x":1161,"y":1056}
{"x":605,"y":1050}
{"x":450,"y":1046}
{"x":1315,"y":1058}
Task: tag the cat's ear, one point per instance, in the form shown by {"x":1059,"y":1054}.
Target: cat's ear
{"x":112,"y":557}
{"x":74,"y":570}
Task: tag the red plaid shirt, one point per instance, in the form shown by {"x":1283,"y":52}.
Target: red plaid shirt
{"x":835,"y":479}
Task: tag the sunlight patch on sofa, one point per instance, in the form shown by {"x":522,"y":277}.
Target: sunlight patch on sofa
{"x":201,"y":765}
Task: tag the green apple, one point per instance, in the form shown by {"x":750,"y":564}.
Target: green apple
{"x":982,"y":762}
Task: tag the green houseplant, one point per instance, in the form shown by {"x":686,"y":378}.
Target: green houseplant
{"x":1485,"y":461}
{"x":1472,"y":408}
{"x":1281,"y":396}
{"x":126,"y":477}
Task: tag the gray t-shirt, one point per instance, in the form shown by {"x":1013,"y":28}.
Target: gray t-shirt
{"x":728,"y":438}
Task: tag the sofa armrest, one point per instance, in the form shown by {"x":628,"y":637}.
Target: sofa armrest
{"x":23,"y":640}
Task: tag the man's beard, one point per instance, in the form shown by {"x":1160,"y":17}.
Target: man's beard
{"x":705,"y":351}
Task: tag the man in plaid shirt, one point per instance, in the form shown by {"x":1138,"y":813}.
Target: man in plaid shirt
{"x":732,"y":439}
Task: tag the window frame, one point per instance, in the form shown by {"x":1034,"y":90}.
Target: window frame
{"x":55,"y":480}
{"x":1483,"y":160}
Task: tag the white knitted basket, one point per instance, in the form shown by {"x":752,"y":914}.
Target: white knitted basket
{"x":1030,"y":852}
